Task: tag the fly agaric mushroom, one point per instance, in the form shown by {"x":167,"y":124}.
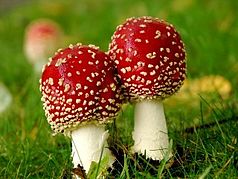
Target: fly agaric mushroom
{"x":80,"y":94}
{"x":42,"y":38}
{"x":150,"y":58}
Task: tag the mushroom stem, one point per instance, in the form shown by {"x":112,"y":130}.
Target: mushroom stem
{"x":89,"y":143}
{"x":38,"y":65}
{"x":150,"y":130}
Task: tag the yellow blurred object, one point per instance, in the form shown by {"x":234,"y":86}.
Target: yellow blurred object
{"x":210,"y":84}
{"x":204,"y":86}
{"x":181,"y":5}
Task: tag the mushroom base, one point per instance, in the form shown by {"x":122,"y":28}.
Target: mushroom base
{"x":89,"y":143}
{"x":150,"y":130}
{"x":38,"y":65}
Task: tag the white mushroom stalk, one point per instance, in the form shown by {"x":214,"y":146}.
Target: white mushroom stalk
{"x":150,"y":129}
{"x":89,"y":143}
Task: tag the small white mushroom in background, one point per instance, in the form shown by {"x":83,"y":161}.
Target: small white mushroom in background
{"x":42,"y":38}
{"x":156,"y":70}
{"x":5,"y":98}
{"x":80,"y":95}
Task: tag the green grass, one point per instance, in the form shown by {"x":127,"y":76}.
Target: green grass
{"x":210,"y":32}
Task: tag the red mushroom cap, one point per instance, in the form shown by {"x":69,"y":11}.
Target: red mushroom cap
{"x":42,"y":38}
{"x":78,"y":85}
{"x":150,"y":57}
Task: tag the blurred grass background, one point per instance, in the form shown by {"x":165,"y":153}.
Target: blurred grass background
{"x":210,"y":32}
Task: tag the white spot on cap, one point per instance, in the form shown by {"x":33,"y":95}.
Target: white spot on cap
{"x":90,"y":103}
{"x":123,"y":70}
{"x":51,"y":81}
{"x":93,"y":46}
{"x":142,"y":25}
{"x":158,"y":34}
{"x":151,"y":55}
{"x":134,"y":52}
{"x":166,"y":59}
{"x":105,"y":90}
{"x":113,"y":86}
{"x":84,"y":102}
{"x":133,"y":77}
{"x":61,"y":80}
{"x":69,"y":74}
{"x":92,"y":75}
{"x":89,"y":79}
{"x":138,"y":78}
{"x":60,"y":61}
{"x":152,"y":73}
{"x":105,"y":63}
{"x":103,"y":100}
{"x":141,"y":64}
{"x":128,"y":59}
{"x":143,"y":73}
{"x":123,"y":36}
{"x":68,"y":109}
{"x":119,"y":50}
{"x":69,"y":101}
{"x":111,"y":100}
{"x":98,"y":83}
{"x":131,"y":34}
{"x":173,"y":43}
{"x":148,"y":82}
{"x":66,"y":88}
{"x":91,"y":92}
{"x":168,"y":27}
{"x":71,"y":46}
{"x":78,"y":86}
{"x":128,"y":69}
{"x":90,"y":63}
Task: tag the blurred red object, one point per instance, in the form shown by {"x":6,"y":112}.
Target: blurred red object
{"x":42,"y":38}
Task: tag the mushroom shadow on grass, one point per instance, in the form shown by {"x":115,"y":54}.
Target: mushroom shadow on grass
{"x":80,"y":95}
{"x":150,"y":59}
